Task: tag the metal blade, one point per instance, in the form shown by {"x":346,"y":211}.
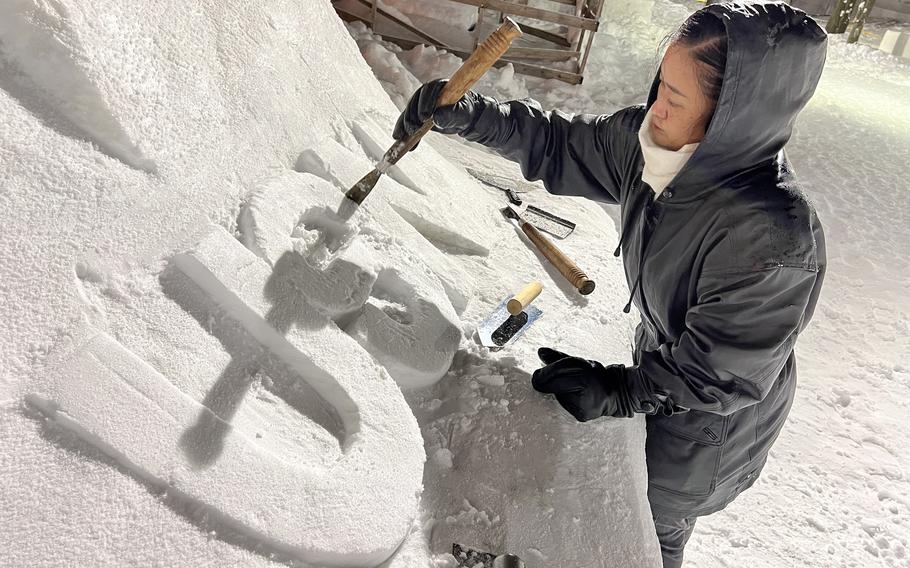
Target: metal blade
{"x":362,"y":188}
{"x":546,"y":221}
{"x":501,"y":329}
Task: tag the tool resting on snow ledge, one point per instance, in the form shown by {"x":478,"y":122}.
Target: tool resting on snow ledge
{"x":486,"y":54}
{"x":557,"y":258}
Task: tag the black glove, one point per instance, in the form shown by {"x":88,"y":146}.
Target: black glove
{"x":453,"y":119}
{"x":586,"y":389}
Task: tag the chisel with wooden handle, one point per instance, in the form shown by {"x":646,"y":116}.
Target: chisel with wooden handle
{"x":486,"y":54}
{"x":557,"y":258}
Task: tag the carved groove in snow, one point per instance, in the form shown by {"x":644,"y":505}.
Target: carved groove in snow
{"x":353,"y":512}
{"x":47,"y":63}
{"x":373,"y":146}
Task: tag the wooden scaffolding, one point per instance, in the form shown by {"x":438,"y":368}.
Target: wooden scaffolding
{"x":555,"y":45}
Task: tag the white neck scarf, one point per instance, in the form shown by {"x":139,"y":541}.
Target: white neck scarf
{"x":661,"y":165}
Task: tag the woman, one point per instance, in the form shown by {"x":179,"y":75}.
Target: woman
{"x":723,"y":254}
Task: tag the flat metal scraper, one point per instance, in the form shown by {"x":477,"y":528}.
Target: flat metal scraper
{"x":510,"y":319}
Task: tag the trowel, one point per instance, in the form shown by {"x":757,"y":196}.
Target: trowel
{"x":510,"y":319}
{"x":486,"y":54}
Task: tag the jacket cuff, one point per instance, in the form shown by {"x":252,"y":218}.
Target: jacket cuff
{"x":642,"y":396}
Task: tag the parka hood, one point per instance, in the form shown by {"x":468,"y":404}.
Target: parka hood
{"x":775,"y":56}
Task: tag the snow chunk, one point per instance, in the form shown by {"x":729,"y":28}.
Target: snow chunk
{"x":41,"y":41}
{"x":443,"y":458}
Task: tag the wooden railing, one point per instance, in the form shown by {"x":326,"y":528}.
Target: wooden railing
{"x":569,"y":47}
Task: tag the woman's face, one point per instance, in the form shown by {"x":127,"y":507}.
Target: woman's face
{"x":681,"y":112}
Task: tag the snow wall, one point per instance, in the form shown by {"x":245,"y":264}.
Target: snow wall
{"x":188,"y":307}
{"x":141,"y":146}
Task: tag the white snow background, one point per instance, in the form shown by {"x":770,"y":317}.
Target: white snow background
{"x":170,"y":174}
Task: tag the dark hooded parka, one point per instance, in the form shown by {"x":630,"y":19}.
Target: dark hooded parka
{"x":725,"y":266}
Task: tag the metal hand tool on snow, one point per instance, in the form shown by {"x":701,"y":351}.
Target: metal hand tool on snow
{"x":543,"y":220}
{"x":486,"y":54}
{"x":557,"y":258}
{"x":511,"y":318}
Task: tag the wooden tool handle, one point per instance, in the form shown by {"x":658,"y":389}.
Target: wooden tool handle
{"x":566,"y":267}
{"x":472,"y":69}
{"x":477,"y":64}
{"x":521,"y":300}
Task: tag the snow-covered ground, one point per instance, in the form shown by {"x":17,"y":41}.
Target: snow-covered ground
{"x":201,"y":363}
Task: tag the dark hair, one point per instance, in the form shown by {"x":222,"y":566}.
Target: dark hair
{"x":705,"y":35}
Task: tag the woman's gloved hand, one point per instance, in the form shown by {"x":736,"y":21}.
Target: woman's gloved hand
{"x":453,"y":119}
{"x":586,"y":389}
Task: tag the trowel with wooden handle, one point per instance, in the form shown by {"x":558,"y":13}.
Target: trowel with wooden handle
{"x":510,"y":319}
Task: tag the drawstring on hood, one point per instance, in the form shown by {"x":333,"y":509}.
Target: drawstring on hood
{"x":641,"y":260}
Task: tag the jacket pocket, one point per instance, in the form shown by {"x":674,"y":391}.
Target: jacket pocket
{"x":684,"y":452}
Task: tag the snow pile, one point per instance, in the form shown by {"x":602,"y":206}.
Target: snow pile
{"x":203,"y":354}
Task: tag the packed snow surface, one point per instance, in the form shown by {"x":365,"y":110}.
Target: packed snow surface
{"x":206,"y":360}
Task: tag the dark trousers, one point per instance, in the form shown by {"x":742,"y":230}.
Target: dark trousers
{"x":673,"y":535}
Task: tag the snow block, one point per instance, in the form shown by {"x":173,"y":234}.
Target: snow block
{"x":40,"y":38}
{"x":363,"y":273}
{"x":897,"y":43}
{"x":356,"y":512}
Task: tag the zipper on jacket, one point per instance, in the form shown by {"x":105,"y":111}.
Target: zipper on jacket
{"x":647,"y":237}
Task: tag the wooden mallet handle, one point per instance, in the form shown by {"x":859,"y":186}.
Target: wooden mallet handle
{"x":563,"y":264}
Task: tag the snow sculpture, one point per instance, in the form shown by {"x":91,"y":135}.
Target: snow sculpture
{"x":428,"y":233}
{"x":366,"y":273}
{"x":355,"y":512}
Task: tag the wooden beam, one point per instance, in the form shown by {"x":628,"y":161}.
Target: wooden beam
{"x":350,"y":16}
{"x":545,"y":35}
{"x":584,"y":61}
{"x":402,"y":23}
{"x":541,"y":53}
{"x":525,"y":68}
{"x":535,"y":13}
{"x":544,"y":72}
{"x":477,"y":23}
